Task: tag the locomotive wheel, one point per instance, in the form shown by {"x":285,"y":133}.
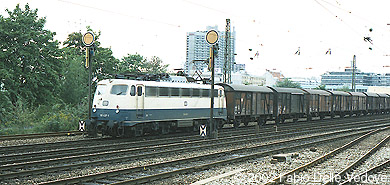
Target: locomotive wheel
{"x":309,"y":118}
{"x":236,"y":124}
{"x":261,"y":122}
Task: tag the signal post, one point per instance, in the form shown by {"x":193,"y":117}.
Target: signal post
{"x":212,"y":39}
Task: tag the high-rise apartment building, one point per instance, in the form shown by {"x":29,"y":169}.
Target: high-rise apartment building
{"x":198,"y":51}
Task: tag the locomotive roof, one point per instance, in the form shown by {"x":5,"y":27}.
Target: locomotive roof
{"x":247,"y":88}
{"x":317,"y":91}
{"x":342,"y":93}
{"x":357,"y":94}
{"x":371,"y":94}
{"x":155,"y":83}
{"x":288,"y":90}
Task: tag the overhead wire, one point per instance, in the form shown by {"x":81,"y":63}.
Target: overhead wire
{"x":122,"y":14}
{"x":343,"y":21}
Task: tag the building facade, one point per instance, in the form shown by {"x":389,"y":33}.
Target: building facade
{"x":361,"y":78}
{"x":335,"y":80}
{"x":198,"y":51}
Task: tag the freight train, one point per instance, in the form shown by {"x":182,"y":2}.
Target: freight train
{"x":125,"y":108}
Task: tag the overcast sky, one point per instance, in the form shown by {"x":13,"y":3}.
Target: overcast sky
{"x":274,"y":28}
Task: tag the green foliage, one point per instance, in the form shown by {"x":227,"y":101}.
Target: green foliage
{"x":58,"y":117}
{"x":321,"y":87}
{"x":44,"y":88}
{"x":61,"y":117}
{"x":29,"y":67}
{"x":155,"y":65}
{"x":138,"y":64}
{"x":344,"y":88}
{"x":287,"y":83}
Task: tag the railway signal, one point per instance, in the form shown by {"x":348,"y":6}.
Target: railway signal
{"x":212,"y":39}
{"x":88,"y":40}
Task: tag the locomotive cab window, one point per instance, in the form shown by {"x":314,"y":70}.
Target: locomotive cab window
{"x":139,"y":91}
{"x":132,"y":90}
{"x":119,"y":89}
{"x":101,"y":89}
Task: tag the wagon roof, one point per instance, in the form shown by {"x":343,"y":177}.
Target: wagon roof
{"x":342,"y":93}
{"x":246,"y":88}
{"x":317,"y":91}
{"x":383,"y":95}
{"x":288,"y":90}
{"x":371,"y":94}
{"x":357,"y":94}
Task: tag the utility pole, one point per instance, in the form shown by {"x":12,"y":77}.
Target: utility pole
{"x":353,"y":74}
{"x":227,"y":68}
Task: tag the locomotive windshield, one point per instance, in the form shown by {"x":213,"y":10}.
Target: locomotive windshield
{"x":119,"y":89}
{"x":101,"y":89}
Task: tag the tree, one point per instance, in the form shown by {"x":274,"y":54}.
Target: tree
{"x":287,"y":83}
{"x":30,"y":65}
{"x":155,"y":65}
{"x":75,"y":81}
{"x":321,"y":87}
{"x":138,"y":64}
{"x":344,"y":88}
{"x":132,"y":64}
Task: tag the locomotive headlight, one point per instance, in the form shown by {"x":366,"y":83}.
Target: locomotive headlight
{"x":117,"y":109}
{"x":105,"y":103}
{"x":94,"y":108}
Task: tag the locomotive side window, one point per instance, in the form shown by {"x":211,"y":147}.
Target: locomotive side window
{"x":132,"y":90}
{"x":101,"y":89}
{"x":139,"y":91}
{"x":195,"y":92}
{"x":205,"y":93}
{"x":119,"y":89}
{"x":151,"y":91}
{"x":215,"y":93}
{"x":163,"y":91}
{"x":186,"y":92}
{"x":175,"y":92}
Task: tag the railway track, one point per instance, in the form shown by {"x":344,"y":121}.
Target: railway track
{"x":66,"y":165}
{"x":337,"y":166}
{"x":41,"y":135}
{"x":80,"y":144}
{"x":378,"y":174}
{"x":151,"y":172}
{"x":47,"y":160}
{"x":148,"y":146}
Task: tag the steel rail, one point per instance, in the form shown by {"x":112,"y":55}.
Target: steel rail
{"x":282,"y":178}
{"x":114,"y":173}
{"x":343,"y":174}
{"x":211,"y":143}
{"x":49,"y":154}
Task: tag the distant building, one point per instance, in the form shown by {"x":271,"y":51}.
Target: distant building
{"x":198,"y":50}
{"x":245,"y":78}
{"x":306,"y":83}
{"x":237,"y":68}
{"x":271,"y":77}
{"x":362,"y":79}
{"x":376,"y":89}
